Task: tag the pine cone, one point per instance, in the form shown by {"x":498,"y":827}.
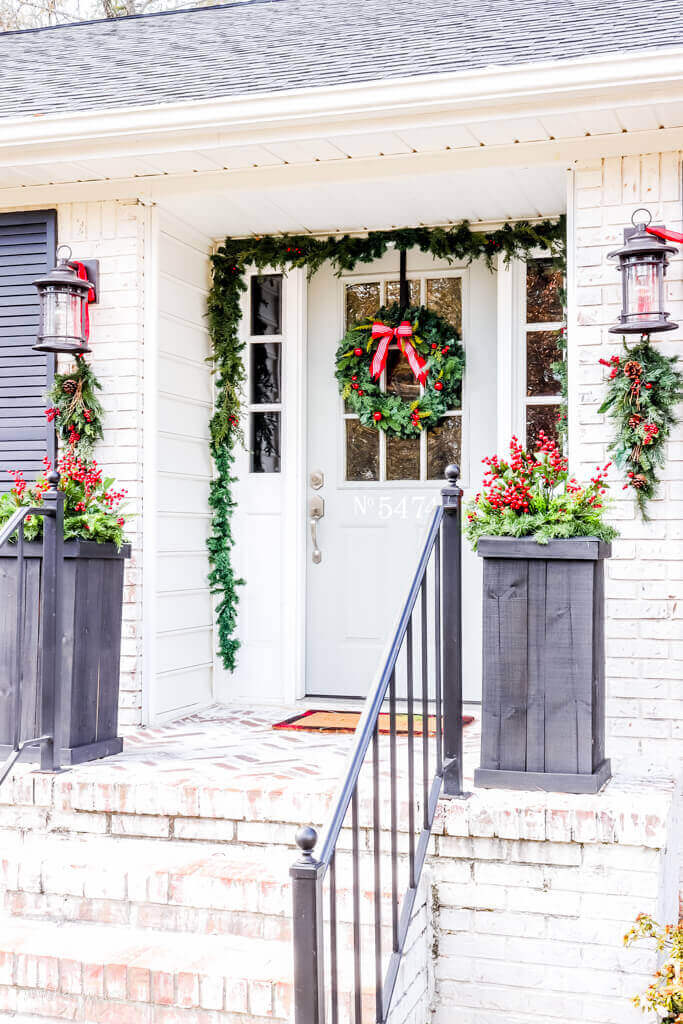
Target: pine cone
{"x":633,"y":369}
{"x":639,"y":481}
{"x":635,"y":420}
{"x":69,"y":386}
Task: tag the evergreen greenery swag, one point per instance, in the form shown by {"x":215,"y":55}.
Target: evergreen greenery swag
{"x":76,"y":408}
{"x":644,"y":388}
{"x":435,"y":341}
{"x":459,"y":242}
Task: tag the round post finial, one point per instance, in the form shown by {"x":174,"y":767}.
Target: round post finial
{"x":306,"y":838}
{"x":453,"y":473}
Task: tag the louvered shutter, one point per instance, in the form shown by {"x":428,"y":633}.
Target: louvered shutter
{"x":27,"y":250}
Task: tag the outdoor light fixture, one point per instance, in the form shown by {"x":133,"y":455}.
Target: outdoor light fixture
{"x":643,"y":262}
{"x":64,"y":294}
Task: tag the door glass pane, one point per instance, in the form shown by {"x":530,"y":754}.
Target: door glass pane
{"x":265,"y":442}
{"x":392,"y":290}
{"x":266,"y":304}
{"x":444,"y":446}
{"x":264,"y":372}
{"x":362,"y":301}
{"x":400,"y":378}
{"x":444,"y":296}
{"x":542,"y":350}
{"x":541,"y":417}
{"x":543,"y":292}
{"x":403,"y":458}
{"x":362,"y":452}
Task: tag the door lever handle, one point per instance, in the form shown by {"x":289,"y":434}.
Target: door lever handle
{"x":316,"y":509}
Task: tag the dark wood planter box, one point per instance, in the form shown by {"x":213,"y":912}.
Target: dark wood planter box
{"x":90,"y":602}
{"x":543,"y":713}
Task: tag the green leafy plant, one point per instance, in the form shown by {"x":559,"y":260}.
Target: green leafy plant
{"x":75,"y":408}
{"x":664,"y":994}
{"x":532,"y":495}
{"x":459,"y":242}
{"x":92,"y":506}
{"x":643,"y":389}
{"x":435,"y":341}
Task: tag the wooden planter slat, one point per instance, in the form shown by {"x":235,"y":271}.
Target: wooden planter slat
{"x":90,"y":604}
{"x":543,"y":706}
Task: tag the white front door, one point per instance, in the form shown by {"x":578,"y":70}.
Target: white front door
{"x":379,"y":492}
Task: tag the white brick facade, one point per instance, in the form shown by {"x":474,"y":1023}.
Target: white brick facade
{"x":644,"y":620}
{"x":113,"y":233}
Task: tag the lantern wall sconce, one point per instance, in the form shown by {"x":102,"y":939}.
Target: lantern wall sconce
{"x":64,"y":295}
{"x":643,"y":261}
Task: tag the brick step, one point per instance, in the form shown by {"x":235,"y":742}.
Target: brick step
{"x":109,"y":974}
{"x":114,"y":975}
{"x":188,"y":887}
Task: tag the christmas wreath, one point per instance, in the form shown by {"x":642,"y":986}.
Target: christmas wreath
{"x":434,"y":353}
{"x":644,"y":387}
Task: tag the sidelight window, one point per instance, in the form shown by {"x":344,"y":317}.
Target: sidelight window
{"x":543,"y":334}
{"x":265,"y":373}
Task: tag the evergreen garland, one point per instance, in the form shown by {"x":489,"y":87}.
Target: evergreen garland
{"x":76,"y":409}
{"x":644,"y":387}
{"x":459,"y":242}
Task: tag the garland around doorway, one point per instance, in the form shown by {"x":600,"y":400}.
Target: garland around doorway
{"x":460,"y":242}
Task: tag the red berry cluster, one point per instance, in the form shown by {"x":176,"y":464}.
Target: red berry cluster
{"x":612,"y":365}
{"x":650,"y":431}
{"x":87,"y":415}
{"x":20,"y":484}
{"x":52,"y":413}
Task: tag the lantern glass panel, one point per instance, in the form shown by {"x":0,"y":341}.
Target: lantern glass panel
{"x":62,"y":314}
{"x":642,"y":290}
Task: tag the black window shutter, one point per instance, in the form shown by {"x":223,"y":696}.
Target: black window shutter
{"x":27,"y":250}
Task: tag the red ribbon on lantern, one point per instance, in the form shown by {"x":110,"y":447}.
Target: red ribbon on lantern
{"x":401,"y":333}
{"x":83,"y":276}
{"x":669,"y":236}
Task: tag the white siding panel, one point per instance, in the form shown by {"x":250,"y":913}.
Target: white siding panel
{"x":183,"y":644}
{"x":183,"y":533}
{"x":184,"y":379}
{"x":176,"y":416}
{"x":184,"y":455}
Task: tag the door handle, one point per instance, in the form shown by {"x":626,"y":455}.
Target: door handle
{"x":316,"y":510}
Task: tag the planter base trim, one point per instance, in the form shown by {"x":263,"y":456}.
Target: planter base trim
{"x":71,"y":756}
{"x":547,"y":782}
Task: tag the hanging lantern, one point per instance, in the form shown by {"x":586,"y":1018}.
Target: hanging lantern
{"x":63,"y":295}
{"x":643,"y":262}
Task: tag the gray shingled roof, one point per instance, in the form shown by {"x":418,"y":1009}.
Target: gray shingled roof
{"x":268,"y":45}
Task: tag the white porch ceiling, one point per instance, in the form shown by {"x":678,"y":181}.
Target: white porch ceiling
{"x":486,"y":194}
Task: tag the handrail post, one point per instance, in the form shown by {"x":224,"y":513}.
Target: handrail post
{"x":451,"y":497}
{"x":51,"y":654}
{"x":307,"y":931}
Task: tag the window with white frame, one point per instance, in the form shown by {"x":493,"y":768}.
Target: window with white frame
{"x":265,"y":372}
{"x":369,"y":454}
{"x":543,"y":324}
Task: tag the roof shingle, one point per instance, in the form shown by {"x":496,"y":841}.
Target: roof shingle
{"x":272,"y":45}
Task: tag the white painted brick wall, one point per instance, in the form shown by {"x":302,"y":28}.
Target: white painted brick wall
{"x":644,"y":622}
{"x":546,"y":887}
{"x":113,"y":233}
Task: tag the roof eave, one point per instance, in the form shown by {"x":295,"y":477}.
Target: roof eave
{"x":497,"y":91}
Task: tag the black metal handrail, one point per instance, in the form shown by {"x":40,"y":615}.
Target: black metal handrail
{"x":312,"y":935}
{"x":52,"y":512}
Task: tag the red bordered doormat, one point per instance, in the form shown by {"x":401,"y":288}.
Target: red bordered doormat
{"x":347,"y":721}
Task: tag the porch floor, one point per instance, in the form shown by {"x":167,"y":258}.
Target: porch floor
{"x":236,"y":747}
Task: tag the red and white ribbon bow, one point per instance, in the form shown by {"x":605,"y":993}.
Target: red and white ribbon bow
{"x":401,"y":333}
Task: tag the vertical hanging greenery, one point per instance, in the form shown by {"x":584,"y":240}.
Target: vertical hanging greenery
{"x":224,"y":314}
{"x":459,"y":242}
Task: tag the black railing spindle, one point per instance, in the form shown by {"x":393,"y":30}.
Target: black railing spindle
{"x":308,"y":873}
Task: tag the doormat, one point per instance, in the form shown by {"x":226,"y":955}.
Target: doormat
{"x":347,"y":721}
